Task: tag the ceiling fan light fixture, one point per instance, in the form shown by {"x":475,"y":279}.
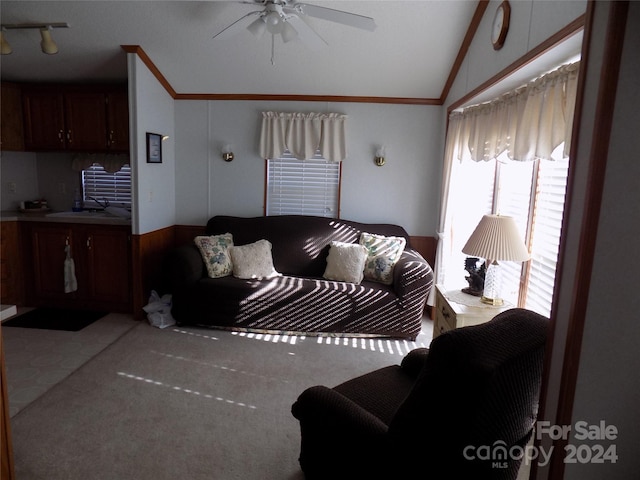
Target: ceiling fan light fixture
{"x":288,"y":33}
{"x":258,"y":27}
{"x":275,"y":23}
{"x":47,"y":44}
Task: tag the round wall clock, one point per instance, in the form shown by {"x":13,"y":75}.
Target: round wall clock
{"x":500,"y":25}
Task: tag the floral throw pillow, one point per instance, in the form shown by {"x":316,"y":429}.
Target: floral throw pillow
{"x":382,"y":255}
{"x":215,"y":253}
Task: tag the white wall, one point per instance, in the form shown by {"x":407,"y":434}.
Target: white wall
{"x":19,"y":168}
{"x":151,"y":109}
{"x":404,"y":191}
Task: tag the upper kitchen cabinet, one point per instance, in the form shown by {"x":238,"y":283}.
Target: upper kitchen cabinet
{"x":11,"y":130}
{"x":75,"y":118}
{"x":118,"y":121}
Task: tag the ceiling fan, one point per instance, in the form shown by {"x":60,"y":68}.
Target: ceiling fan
{"x":286,"y":18}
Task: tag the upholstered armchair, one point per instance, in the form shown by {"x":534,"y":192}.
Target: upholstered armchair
{"x":474,"y":387}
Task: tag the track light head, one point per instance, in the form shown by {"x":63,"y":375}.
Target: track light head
{"x":5,"y":48}
{"x":47,"y":44}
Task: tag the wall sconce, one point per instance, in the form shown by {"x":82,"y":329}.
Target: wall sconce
{"x":47,"y":44}
{"x":379,"y":158}
{"x":227,"y":153}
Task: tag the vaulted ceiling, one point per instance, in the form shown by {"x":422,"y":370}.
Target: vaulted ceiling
{"x":410,"y":53}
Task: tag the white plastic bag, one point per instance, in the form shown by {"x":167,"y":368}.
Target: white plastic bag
{"x":159,"y":310}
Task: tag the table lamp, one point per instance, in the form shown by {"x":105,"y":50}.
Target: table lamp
{"x":496,"y":238}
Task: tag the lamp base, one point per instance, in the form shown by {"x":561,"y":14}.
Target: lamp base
{"x":492,"y":301}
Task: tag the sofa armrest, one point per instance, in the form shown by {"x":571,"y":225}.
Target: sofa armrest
{"x":412,"y":277}
{"x":182,"y":267}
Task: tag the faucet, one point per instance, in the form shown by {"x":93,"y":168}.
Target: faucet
{"x":104,"y":204}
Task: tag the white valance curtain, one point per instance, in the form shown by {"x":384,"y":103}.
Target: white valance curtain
{"x":302,"y":134}
{"x":527,"y":123}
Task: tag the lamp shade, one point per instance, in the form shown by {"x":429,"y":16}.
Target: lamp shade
{"x":257,"y":27}
{"x":497,"y":238}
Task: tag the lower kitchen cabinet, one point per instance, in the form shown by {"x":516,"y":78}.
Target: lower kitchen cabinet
{"x":102,"y":258}
{"x":10,"y":271}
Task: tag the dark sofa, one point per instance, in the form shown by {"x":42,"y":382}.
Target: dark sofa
{"x":299,"y":300}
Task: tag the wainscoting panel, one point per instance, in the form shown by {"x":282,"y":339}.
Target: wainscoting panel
{"x":148,"y":251}
{"x":426,"y":246}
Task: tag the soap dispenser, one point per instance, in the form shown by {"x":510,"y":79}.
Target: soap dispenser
{"x":77,"y":201}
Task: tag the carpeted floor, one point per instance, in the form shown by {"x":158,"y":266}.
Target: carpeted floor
{"x":36,"y":359}
{"x":187,"y":403}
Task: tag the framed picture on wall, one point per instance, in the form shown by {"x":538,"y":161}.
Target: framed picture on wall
{"x":154,"y":148}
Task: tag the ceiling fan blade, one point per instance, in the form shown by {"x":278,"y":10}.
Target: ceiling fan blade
{"x":338,"y":16}
{"x":306,"y":34}
{"x":237,"y":26}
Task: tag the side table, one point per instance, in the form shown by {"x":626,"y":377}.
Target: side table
{"x":455,"y":309}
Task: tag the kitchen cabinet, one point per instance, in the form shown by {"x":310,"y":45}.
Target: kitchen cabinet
{"x":118,"y":121}
{"x":10,"y":279}
{"x":102,"y":258}
{"x":11,"y":131}
{"x":75,"y":118}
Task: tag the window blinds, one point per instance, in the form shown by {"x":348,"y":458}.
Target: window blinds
{"x":302,"y":187}
{"x":101,"y":185}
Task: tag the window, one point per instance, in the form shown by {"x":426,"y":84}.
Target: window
{"x":97,"y":184}
{"x":533,"y":193}
{"x":303,"y":187}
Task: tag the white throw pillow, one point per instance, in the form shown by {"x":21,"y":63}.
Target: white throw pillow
{"x":345,"y":262}
{"x":253,"y":260}
{"x":383,"y":254}
{"x":215,"y":253}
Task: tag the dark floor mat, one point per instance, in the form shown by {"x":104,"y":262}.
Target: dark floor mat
{"x":55,"y":319}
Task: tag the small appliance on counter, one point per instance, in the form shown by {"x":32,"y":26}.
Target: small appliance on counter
{"x":35,"y":206}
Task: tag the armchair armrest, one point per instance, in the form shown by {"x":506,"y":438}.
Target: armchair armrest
{"x":182,"y":267}
{"x":414,"y":361}
{"x":336,"y":431}
{"x":331,"y":410}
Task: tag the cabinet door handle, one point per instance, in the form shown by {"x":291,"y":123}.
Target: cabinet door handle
{"x":89,"y":242}
{"x":69,"y":136}
{"x":61,"y":136}
{"x":445,"y":314}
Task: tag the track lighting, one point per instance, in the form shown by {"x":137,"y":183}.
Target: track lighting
{"x":47,"y":44}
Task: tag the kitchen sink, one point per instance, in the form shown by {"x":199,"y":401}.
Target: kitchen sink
{"x":109,"y":212}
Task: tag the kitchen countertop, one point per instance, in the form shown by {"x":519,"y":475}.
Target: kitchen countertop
{"x":60,"y":217}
